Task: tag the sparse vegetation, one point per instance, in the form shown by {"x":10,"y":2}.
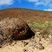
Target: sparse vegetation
{"x":40,"y":25}
{"x":41,"y":41}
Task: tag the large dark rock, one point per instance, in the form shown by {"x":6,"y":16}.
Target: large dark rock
{"x":14,"y":29}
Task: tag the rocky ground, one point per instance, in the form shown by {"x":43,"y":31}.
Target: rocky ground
{"x":35,"y":44}
{"x":41,"y":41}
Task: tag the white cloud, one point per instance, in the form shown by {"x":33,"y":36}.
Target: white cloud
{"x":48,"y":10}
{"x":33,"y":0}
{"x":6,"y":2}
{"x":42,"y":2}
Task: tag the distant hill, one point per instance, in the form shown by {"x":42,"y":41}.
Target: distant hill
{"x":26,"y":14}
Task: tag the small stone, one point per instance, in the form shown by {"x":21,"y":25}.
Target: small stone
{"x":39,"y":46}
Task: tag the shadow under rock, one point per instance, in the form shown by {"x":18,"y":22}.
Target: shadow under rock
{"x":28,"y":35}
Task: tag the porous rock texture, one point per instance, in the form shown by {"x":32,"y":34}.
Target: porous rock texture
{"x":13,"y":29}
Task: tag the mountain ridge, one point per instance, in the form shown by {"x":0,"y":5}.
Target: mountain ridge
{"x":26,"y":14}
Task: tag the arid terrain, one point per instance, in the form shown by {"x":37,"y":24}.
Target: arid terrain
{"x":38,"y":22}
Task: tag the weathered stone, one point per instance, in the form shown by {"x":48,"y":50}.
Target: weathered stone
{"x":14,"y":29}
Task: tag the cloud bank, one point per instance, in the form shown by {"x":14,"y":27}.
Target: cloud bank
{"x":44,"y":2}
{"x":6,"y":2}
{"x":48,"y":10}
{"x":47,"y":3}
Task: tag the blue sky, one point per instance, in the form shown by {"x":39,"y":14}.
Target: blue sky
{"x":45,"y":5}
